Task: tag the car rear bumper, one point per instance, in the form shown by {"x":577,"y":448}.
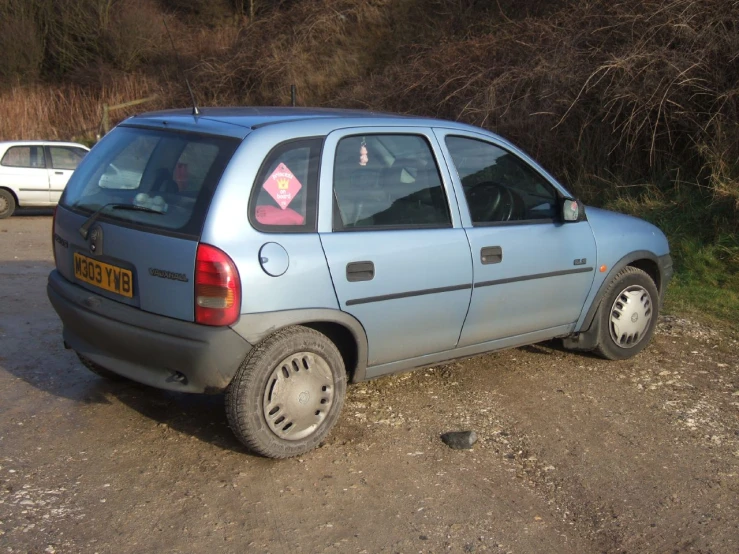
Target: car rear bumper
{"x":151,"y":349}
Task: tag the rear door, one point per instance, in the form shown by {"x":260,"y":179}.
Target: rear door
{"x":532,"y":272}
{"x":24,"y":170}
{"x":399,"y":260}
{"x":62,"y":161}
{"x":140,"y":258}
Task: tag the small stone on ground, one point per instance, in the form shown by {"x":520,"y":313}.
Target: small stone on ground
{"x":459,"y":440}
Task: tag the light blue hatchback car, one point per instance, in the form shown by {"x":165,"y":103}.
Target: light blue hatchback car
{"x":278,"y":253}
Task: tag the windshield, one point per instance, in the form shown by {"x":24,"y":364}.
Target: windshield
{"x":172,"y":174}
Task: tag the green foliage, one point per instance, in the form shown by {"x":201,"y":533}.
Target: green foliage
{"x":704,"y":241}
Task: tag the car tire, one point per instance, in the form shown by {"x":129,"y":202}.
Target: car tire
{"x":627,"y":314}
{"x":7,"y":204}
{"x":287,"y":394}
{"x":99,"y":370}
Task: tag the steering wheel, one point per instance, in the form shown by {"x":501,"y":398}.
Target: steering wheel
{"x":494,"y":202}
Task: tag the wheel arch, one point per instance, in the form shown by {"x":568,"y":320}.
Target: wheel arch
{"x":345,"y":331}
{"x":647,"y":261}
{"x":12,"y":193}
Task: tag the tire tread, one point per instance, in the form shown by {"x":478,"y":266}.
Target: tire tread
{"x":12,"y":204}
{"x":604,"y":347}
{"x":246,"y":423}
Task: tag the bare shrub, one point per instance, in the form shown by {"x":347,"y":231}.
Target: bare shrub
{"x":606,"y":94}
{"x":635,"y":89}
{"x":319,"y":46}
{"x":20,"y":44}
{"x":206,"y":12}
{"x":135,"y":34}
{"x":69,"y":111}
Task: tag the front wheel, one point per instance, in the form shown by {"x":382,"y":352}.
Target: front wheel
{"x":627,"y":314}
{"x":287,"y":394}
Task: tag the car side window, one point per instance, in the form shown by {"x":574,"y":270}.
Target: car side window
{"x":24,"y":156}
{"x":388,"y":181}
{"x":284,"y":196}
{"x":66,"y":158}
{"x":499,"y":186}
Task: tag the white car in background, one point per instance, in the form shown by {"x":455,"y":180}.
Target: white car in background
{"x":34,"y":173}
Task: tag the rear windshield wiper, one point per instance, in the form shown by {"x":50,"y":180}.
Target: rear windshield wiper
{"x":85,"y":228}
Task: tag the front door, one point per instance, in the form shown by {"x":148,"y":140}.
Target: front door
{"x":532,"y":272}
{"x":63,"y":161}
{"x":399,"y":259}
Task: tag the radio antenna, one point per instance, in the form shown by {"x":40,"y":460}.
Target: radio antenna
{"x":195,"y":110}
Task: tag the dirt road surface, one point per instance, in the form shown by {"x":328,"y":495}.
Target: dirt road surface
{"x":576,"y":454}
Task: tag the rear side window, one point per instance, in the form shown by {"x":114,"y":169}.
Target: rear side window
{"x":284,"y":196}
{"x":388,"y":182}
{"x":65,"y":157}
{"x":24,"y":156}
{"x":172,"y":174}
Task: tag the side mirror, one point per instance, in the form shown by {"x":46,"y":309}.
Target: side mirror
{"x":572,"y":211}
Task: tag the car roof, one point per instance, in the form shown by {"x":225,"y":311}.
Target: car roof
{"x":256,"y":116}
{"x":239,"y":121}
{"x":8,"y":143}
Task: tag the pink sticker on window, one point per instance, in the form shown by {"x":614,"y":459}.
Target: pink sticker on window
{"x":282,"y":185}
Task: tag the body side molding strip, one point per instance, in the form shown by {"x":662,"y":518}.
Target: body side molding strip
{"x":533,"y":276}
{"x":409,"y":294}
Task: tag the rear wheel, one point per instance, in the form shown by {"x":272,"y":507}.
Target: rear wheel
{"x":7,"y":204}
{"x":287,"y":394}
{"x":99,"y":370}
{"x":628,"y":314}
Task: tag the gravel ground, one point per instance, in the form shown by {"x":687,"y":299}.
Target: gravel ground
{"x":575,"y":454}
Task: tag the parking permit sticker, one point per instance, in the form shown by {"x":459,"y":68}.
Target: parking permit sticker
{"x":282,"y":185}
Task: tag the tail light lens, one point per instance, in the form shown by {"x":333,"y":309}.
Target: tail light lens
{"x":217,"y":287}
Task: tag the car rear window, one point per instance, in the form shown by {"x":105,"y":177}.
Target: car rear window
{"x":172,"y":173}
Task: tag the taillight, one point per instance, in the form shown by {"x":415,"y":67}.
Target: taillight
{"x":217,"y":287}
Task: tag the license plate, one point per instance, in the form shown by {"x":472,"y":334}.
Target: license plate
{"x":106,"y":276}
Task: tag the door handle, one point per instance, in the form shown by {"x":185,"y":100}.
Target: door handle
{"x":59,"y":173}
{"x":491,"y":255}
{"x":360,"y":271}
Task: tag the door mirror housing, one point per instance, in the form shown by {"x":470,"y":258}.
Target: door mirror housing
{"x":572,"y":211}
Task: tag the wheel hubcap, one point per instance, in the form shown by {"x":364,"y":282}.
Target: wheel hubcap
{"x":3,"y":205}
{"x":298,"y":395}
{"x":631,"y":315}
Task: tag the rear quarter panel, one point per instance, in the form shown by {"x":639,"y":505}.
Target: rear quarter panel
{"x":307,"y":282}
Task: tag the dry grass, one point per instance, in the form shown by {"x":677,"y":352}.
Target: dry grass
{"x":68,"y":112}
